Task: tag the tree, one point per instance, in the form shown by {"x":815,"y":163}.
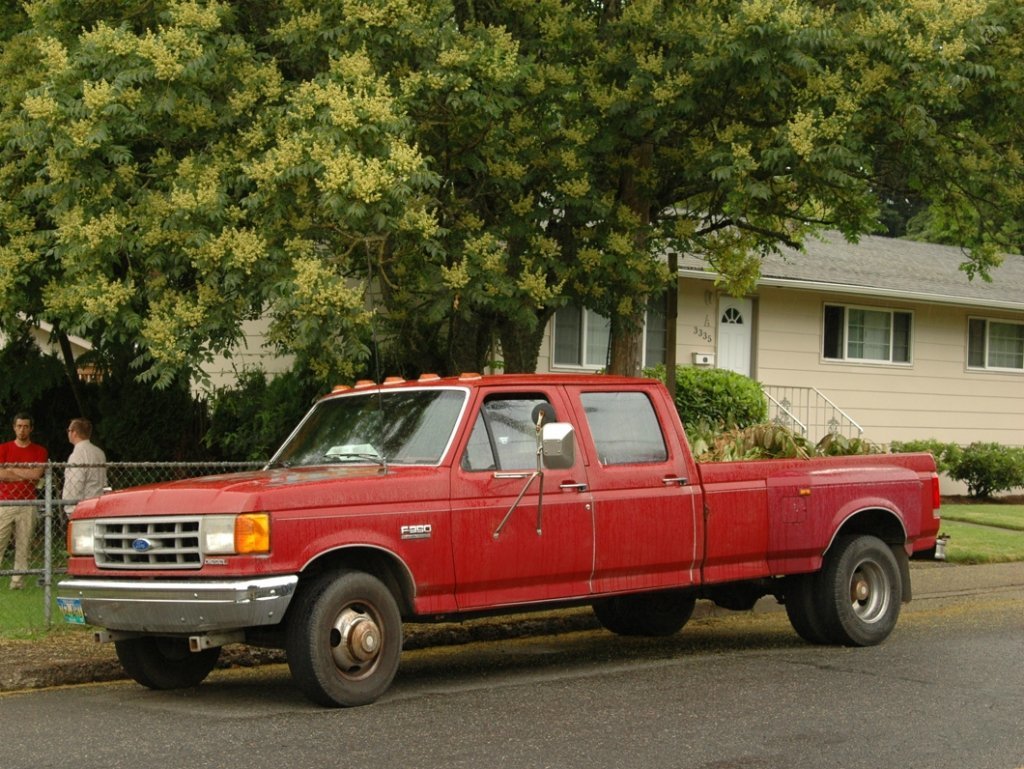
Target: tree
{"x":161,"y":181}
{"x":724,"y":129}
{"x":975,"y":176}
{"x":172,"y":168}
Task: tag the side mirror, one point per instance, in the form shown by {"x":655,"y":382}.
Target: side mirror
{"x":557,"y":446}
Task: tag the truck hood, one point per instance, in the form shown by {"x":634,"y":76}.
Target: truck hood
{"x":269,"y":490}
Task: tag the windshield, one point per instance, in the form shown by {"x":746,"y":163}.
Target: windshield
{"x":405,"y":427}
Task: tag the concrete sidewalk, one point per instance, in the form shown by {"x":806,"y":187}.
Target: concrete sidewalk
{"x":54,"y":661}
{"x":935,"y":579}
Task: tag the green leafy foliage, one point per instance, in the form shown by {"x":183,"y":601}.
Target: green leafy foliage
{"x":162,"y":180}
{"x":837,"y":445}
{"x":768,"y":441}
{"x":169,"y":169}
{"x":761,"y":441}
{"x":34,"y":382}
{"x":947,"y":455}
{"x":250,"y":420}
{"x":133,"y":421}
{"x":988,"y":468}
{"x":716,"y":397}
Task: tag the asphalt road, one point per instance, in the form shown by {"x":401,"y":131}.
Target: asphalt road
{"x":946,"y":690}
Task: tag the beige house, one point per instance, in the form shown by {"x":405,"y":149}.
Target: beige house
{"x":886,"y":338}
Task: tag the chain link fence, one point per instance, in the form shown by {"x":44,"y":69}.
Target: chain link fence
{"x":38,"y":527}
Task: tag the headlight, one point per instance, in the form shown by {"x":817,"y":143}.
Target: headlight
{"x":82,"y":537}
{"x":236,"y":534}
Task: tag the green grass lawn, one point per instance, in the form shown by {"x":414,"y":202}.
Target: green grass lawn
{"x":983,"y":533}
{"x":22,"y":612}
{"x":1003,"y":516}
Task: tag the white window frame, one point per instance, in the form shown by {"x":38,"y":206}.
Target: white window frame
{"x":590,"y":316}
{"x":845,"y":342}
{"x":986,"y":351}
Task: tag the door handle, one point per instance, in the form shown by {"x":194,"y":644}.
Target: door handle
{"x":569,"y":485}
{"x":675,"y":480}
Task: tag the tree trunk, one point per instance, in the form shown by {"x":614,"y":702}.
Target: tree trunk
{"x":672,"y":322}
{"x":71,"y":370}
{"x":627,"y":346}
{"x":469,"y":343}
{"x":520,"y":345}
{"x":627,"y":342}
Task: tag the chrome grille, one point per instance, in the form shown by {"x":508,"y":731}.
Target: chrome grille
{"x":148,"y":543}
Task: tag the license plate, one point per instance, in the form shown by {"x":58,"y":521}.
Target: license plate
{"x":71,"y":608}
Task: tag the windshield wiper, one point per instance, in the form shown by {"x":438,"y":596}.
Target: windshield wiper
{"x":356,"y":456}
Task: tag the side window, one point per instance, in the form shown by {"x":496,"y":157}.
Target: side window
{"x":866,"y":334}
{"x":625,"y":428}
{"x":504,"y":437}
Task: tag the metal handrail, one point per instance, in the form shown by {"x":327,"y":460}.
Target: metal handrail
{"x":809,"y":411}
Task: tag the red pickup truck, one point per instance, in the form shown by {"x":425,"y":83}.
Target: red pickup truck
{"x":440,"y":498}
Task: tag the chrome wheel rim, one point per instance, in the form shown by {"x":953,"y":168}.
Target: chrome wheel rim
{"x":869,"y":592}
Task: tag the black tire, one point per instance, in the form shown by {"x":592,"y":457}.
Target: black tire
{"x":648,"y":614}
{"x":344,"y":639}
{"x":862,"y":591}
{"x":162,"y":662}
{"x":803,"y":607}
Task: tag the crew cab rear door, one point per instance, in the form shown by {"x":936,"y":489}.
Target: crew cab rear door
{"x":648,"y":522}
{"x":504,"y":551}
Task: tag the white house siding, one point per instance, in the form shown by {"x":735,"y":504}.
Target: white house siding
{"x":251,"y":352}
{"x":935,"y":396}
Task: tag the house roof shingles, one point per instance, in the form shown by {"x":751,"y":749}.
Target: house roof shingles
{"x":892,"y":267}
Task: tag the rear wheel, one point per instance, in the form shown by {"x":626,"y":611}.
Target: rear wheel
{"x":344,"y":639}
{"x":862,"y":591}
{"x":161,"y":662}
{"x":647,"y":614}
{"x":803,"y":607}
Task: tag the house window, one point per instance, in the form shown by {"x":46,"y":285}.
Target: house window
{"x":866,"y":334}
{"x":995,"y":344}
{"x":582,"y":336}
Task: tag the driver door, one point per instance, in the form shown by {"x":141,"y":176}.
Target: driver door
{"x":507,"y":548}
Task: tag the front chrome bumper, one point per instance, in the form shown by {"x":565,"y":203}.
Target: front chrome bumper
{"x":179,"y":607}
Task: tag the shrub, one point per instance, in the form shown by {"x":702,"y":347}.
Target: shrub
{"x":836,"y":445}
{"x":716,"y":397}
{"x":251,"y":420}
{"x":760,"y":441}
{"x":947,"y":455}
{"x":988,"y":468}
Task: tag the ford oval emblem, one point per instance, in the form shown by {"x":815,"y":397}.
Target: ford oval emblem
{"x":141,"y":545}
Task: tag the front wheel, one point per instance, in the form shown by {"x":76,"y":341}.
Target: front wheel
{"x":344,"y":639}
{"x":160,"y":662}
{"x":862,"y":592}
{"x":647,"y":614}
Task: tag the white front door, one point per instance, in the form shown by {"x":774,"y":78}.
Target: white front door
{"x":735,"y":318}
